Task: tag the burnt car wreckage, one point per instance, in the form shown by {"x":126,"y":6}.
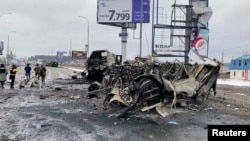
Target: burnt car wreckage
{"x":98,"y":62}
{"x":96,"y":66}
{"x":142,"y":85}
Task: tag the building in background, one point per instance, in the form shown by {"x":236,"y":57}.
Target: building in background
{"x":240,"y":67}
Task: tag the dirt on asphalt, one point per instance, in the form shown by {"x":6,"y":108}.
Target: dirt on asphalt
{"x":61,"y":111}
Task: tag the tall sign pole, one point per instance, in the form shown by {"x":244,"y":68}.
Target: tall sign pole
{"x":141,"y":28}
{"x":124,"y":35}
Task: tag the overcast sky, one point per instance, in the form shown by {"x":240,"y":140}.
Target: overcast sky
{"x":41,"y":27}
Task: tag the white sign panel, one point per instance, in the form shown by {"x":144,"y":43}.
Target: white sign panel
{"x":120,"y":11}
{"x":160,"y":49}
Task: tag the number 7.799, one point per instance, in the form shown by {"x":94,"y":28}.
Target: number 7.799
{"x":118,"y":16}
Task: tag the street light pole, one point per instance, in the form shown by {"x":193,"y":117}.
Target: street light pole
{"x":70,"y":45}
{"x":8,"y":46}
{"x":87,"y":35}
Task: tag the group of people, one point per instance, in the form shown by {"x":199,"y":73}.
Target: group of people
{"x":40,"y":72}
{"x":4,"y":73}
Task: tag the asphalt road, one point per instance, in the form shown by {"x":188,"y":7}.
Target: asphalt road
{"x":61,"y":111}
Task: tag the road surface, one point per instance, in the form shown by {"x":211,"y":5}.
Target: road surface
{"x":61,"y":111}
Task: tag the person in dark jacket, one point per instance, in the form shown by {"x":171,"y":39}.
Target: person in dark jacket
{"x":13,"y":72}
{"x":3,"y":75}
{"x":27,"y":71}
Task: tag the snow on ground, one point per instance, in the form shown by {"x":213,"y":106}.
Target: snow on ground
{"x":75,"y":69}
{"x":233,"y":82}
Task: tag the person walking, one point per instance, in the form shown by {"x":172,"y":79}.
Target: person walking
{"x":3,"y":75}
{"x":27,"y":72}
{"x":13,"y":72}
{"x":43,"y":74}
{"x":37,"y":71}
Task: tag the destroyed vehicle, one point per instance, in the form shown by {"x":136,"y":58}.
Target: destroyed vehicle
{"x":98,"y":62}
{"x":187,"y":85}
{"x":52,"y":64}
{"x":122,"y":73}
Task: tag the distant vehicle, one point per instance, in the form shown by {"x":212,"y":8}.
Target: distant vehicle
{"x":52,"y":64}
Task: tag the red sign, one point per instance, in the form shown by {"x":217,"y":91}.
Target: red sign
{"x":199,"y":43}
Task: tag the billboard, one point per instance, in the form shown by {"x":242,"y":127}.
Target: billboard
{"x":1,"y":47}
{"x":200,"y":43}
{"x":175,"y":37}
{"x":79,"y":54}
{"x":60,"y":56}
{"x":123,"y":11}
{"x":203,"y":14}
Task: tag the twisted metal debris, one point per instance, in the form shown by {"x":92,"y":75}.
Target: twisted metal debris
{"x":142,"y":85}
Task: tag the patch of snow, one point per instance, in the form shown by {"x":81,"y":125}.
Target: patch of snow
{"x":233,"y":82}
{"x":74,"y":69}
{"x":239,"y":94}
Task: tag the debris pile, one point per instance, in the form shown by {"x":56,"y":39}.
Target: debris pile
{"x":142,"y":85}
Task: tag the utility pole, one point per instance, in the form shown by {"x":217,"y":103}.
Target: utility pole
{"x":70,"y":46}
{"x":222,"y":61}
{"x":8,"y":46}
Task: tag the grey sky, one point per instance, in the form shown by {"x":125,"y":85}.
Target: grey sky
{"x":40,"y":27}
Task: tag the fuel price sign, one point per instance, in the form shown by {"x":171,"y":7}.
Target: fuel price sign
{"x":123,"y":11}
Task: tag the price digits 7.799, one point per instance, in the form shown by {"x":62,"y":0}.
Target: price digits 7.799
{"x":118,"y":16}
